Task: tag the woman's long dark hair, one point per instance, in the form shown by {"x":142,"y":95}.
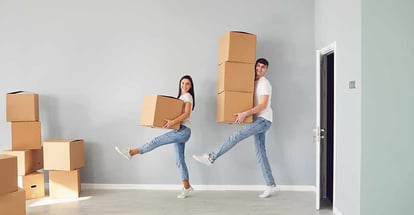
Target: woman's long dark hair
{"x":191,"y":91}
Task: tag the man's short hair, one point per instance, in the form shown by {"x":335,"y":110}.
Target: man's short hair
{"x":262,"y":61}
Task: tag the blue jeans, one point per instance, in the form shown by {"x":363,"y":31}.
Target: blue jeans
{"x":179,"y":138}
{"x":257,"y":128}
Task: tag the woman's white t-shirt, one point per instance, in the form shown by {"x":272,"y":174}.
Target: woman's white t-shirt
{"x":263,"y":87}
{"x":187,"y":98}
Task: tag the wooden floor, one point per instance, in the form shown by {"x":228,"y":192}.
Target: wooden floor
{"x":125,"y":202}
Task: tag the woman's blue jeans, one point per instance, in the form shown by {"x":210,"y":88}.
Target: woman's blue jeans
{"x":257,"y":128}
{"x":179,"y":138}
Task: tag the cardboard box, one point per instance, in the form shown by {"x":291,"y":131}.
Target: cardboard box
{"x":156,"y":109}
{"x":13,"y":203}
{"x":28,"y":161}
{"x":26,"y":135}
{"x":229,"y":103}
{"x":33,"y":184}
{"x":238,"y":47}
{"x":63,"y":154}
{"x":64,"y":184}
{"x":8,"y":174}
{"x":22,"y":106}
{"x":235,"y":76}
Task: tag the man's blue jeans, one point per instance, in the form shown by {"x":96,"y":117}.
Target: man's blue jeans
{"x":179,"y":138}
{"x":257,"y":128}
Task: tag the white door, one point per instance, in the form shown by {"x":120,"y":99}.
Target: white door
{"x":316,"y":131}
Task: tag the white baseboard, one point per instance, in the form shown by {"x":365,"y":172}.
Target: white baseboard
{"x":336,"y":211}
{"x":197,"y":187}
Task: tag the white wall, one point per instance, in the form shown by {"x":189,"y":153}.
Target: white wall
{"x":387,"y":177}
{"x":340,"y":21}
{"x":92,"y":62}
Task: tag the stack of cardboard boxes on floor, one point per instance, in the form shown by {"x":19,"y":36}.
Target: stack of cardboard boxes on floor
{"x":23,"y":112}
{"x":63,"y":158}
{"x":12,"y":198}
{"x":235,"y":83}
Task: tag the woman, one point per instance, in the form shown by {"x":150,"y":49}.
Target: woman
{"x":178,"y":137}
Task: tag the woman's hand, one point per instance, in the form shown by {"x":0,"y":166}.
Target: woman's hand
{"x":169,"y":123}
{"x":240,"y":117}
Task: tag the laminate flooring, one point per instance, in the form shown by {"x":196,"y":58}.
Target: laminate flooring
{"x":159,"y":202}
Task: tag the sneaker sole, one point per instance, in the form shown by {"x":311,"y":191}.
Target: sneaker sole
{"x":119,"y":151}
{"x":207,"y":164}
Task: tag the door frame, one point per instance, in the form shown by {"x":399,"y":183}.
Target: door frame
{"x":331,"y":48}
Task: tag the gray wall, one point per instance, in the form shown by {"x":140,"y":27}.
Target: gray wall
{"x":340,"y":21}
{"x":387,"y":178}
{"x":92,"y":62}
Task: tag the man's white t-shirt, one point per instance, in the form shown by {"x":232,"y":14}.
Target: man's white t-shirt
{"x":187,"y":98}
{"x":263,"y":87}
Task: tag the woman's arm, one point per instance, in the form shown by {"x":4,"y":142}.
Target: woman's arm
{"x":180,"y":118}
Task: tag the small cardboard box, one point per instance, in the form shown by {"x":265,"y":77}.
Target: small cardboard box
{"x":63,"y":155}
{"x":229,"y":103}
{"x":26,"y":135}
{"x":156,"y":109}
{"x":27,"y":160}
{"x":33,"y":184}
{"x":238,"y":47}
{"x":235,"y":76}
{"x":13,"y":203}
{"x":22,"y":106}
{"x":8,"y":174}
{"x":64,"y":184}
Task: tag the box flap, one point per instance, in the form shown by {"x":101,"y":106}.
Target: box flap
{"x":21,"y":92}
{"x":62,"y":140}
{"x":168,"y":96}
{"x":242,"y":32}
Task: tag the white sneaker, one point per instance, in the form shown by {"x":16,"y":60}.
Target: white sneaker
{"x":268,"y":191}
{"x":124,"y":152}
{"x":184,"y":193}
{"x":204,"y":159}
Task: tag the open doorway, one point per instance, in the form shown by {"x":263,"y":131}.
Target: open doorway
{"x":325,"y":128}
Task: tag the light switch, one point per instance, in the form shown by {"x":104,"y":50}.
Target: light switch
{"x":352,"y":84}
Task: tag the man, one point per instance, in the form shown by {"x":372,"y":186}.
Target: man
{"x":263,"y":117}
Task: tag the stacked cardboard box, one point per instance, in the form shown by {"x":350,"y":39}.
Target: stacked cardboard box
{"x":235,"y":83}
{"x":156,"y":109}
{"x":64,"y":158}
{"x":23,"y":112}
{"x":12,"y":198}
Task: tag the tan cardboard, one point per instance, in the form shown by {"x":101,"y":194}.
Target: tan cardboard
{"x":235,"y":76}
{"x":28,"y":160}
{"x":238,"y":47}
{"x":66,"y":154}
{"x":13,"y":203}
{"x":156,"y":109}
{"x":33,"y":184}
{"x":26,"y":135}
{"x":22,"y":106}
{"x":229,"y":103}
{"x":64,"y":184}
{"x":8,"y":174}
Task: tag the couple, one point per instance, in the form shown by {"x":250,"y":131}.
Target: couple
{"x":262,"y":122}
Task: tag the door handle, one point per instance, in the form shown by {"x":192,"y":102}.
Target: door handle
{"x":319,"y":133}
{"x":322,"y":133}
